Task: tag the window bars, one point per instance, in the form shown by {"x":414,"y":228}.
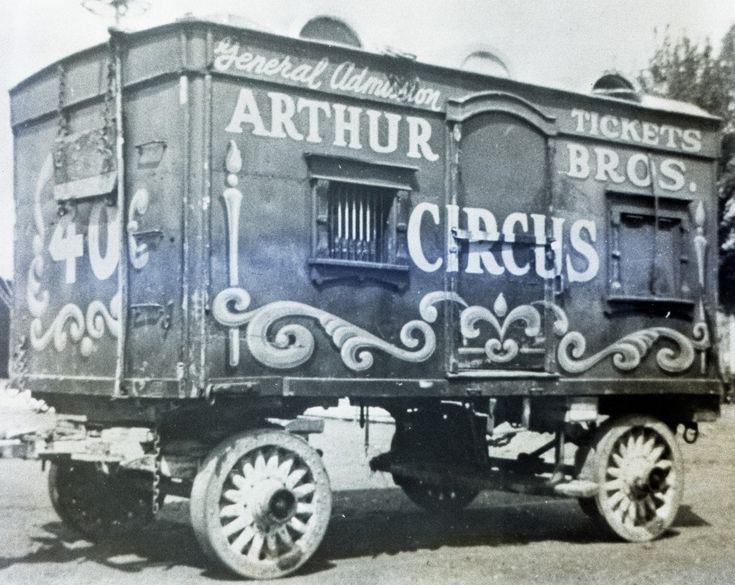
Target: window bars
{"x":358,"y":221}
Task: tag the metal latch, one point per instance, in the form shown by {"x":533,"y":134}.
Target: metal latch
{"x":476,"y":237}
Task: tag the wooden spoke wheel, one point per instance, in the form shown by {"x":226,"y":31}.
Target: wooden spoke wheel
{"x":96,"y":504}
{"x":261,"y":503}
{"x":434,"y":497}
{"x":589,"y":507}
{"x":441,"y":437}
{"x":638,"y":467}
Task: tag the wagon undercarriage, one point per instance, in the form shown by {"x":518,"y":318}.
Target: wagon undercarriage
{"x":261,"y":498}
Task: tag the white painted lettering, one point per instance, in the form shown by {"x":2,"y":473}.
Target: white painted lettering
{"x":629,"y":130}
{"x":413,"y":235}
{"x":691,"y":140}
{"x":344,"y":126}
{"x":635,"y":131}
{"x":634,"y":163}
{"x":610,"y":126}
{"x":246,"y":112}
{"x":579,"y":156}
{"x":452,"y":246}
{"x":607,"y":165}
{"x":419,"y":134}
{"x":479,"y":257}
{"x":539,"y":233}
{"x":675,"y":171}
{"x":104,"y":266}
{"x":670,"y":135}
{"x":509,"y":236}
{"x":313,"y":107}
{"x":374,"y":131}
{"x":66,"y":245}
{"x":585,"y":249}
{"x":579,"y":116}
{"x":282,"y":112}
{"x":650,"y":133}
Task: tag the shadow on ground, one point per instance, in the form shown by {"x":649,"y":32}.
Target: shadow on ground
{"x":365,"y":523}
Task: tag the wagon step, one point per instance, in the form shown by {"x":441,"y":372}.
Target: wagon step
{"x":20,"y":443}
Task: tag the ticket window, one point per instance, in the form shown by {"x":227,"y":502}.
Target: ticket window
{"x":649,"y":255}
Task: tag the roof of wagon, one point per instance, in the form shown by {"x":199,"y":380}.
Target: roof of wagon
{"x":643,"y":103}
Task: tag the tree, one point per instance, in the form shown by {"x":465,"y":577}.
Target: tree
{"x":684,"y":70}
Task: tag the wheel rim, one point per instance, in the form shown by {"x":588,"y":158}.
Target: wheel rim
{"x":440,"y":498}
{"x":261,"y":503}
{"x":267,"y":504}
{"x":641,"y":482}
{"x":86,"y":499}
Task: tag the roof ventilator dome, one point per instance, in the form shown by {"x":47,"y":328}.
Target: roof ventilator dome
{"x":617,"y":86}
{"x":485,"y":62}
{"x":329,"y":29}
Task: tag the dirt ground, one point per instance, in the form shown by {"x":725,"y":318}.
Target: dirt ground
{"x":378,"y":536}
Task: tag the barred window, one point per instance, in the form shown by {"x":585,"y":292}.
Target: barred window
{"x":359,"y":222}
{"x":361,"y":212}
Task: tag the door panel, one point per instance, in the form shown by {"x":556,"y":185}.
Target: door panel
{"x":502,"y":239}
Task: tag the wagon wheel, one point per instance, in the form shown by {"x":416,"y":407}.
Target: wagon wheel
{"x":444,"y":499}
{"x":261,"y":503}
{"x":589,"y":508}
{"x":587,"y":504}
{"x":638,"y":467}
{"x":96,"y":504}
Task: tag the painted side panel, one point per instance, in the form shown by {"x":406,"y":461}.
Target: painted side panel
{"x":233,"y":142}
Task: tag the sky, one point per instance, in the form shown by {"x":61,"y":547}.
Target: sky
{"x":560,"y":43}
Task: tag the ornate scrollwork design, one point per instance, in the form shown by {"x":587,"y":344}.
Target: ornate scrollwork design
{"x":83,"y":327}
{"x":628,"y":352}
{"x":99,"y":318}
{"x":284,"y":345}
{"x":37,"y":298}
{"x":499,"y":348}
{"x":69,"y":314}
{"x":427,"y":308}
{"x":138,"y":252}
{"x":289,"y":345}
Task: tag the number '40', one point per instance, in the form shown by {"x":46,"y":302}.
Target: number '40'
{"x":66,"y":245}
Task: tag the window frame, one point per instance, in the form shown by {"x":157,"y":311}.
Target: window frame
{"x":323,"y":170}
{"x":651,"y":206}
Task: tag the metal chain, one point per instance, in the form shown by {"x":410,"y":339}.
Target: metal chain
{"x":108,"y":116}
{"x":155,"y":505}
{"x":63,"y":116}
{"x":20,"y":364}
{"x":63,"y":126}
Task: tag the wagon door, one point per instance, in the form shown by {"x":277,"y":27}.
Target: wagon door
{"x":157,"y":196}
{"x":501,"y":261}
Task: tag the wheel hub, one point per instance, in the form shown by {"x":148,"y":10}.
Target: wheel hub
{"x":641,"y":478}
{"x":282,"y":506}
{"x":635,"y":473}
{"x":272,"y":504}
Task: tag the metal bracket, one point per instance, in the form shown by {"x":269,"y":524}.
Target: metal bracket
{"x":151,"y":314}
{"x":154,"y":234}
